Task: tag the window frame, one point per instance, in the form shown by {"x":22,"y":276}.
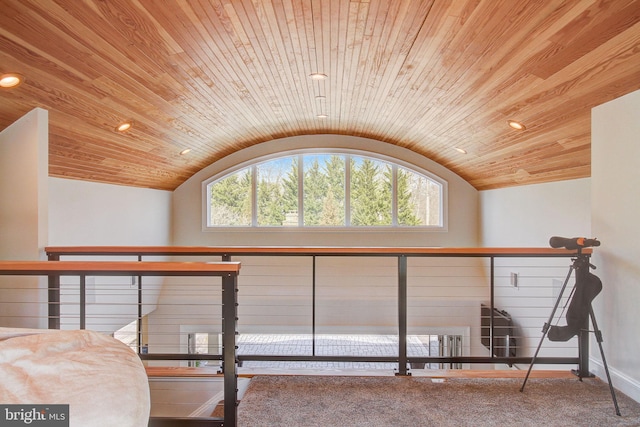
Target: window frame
{"x":255,"y":162}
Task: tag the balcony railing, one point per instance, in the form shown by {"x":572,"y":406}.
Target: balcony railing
{"x":401,"y":295}
{"x":400,"y":291}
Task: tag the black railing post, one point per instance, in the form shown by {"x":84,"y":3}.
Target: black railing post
{"x":54,"y":297}
{"x":313,"y":306}
{"x":402,"y":315}
{"x":83,"y":301}
{"x":492,"y":308}
{"x":229,"y":322}
{"x":139,"y":321}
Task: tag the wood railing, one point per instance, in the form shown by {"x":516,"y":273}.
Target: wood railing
{"x":55,"y":252}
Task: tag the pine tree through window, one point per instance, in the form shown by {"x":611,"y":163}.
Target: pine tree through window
{"x":325,"y":190}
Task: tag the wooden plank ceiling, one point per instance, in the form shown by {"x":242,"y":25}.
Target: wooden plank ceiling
{"x":218,"y":76}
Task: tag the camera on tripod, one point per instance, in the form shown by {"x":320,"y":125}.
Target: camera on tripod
{"x":572,"y":243}
{"x":579,"y":311}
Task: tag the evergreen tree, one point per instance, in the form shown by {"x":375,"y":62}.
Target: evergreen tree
{"x":335,"y":197}
{"x":335,"y":170}
{"x":370,"y":195}
{"x":290,"y":188}
{"x":407,"y":210}
{"x":231,"y":200}
{"x":270,"y":211}
{"x":315,"y":190}
{"x":385,"y":202}
{"x":332,"y":214}
{"x":418,"y":198}
{"x":244,"y":191}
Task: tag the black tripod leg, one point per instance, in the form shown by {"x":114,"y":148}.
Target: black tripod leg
{"x":535,"y":356}
{"x":598,"y":334}
{"x":545,"y":329}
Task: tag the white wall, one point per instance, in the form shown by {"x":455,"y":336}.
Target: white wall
{"x":89,"y":213}
{"x":23,"y":215}
{"x":462,"y":204}
{"x":615,"y":211}
{"x":94,"y":214}
{"x":529,"y":215}
{"x":24,"y":167}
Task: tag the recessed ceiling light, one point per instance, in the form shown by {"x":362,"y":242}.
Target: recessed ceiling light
{"x":317,"y":76}
{"x":516,"y":125}
{"x":460,"y":150}
{"x":124,"y":126}
{"x":10,"y":80}
{"x":185,"y":151}
{"x":322,"y":116}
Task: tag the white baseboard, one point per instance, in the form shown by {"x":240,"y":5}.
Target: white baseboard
{"x":622,"y":382}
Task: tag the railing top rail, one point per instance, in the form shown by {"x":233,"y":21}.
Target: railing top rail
{"x":310,"y":250}
{"x":124,"y":268}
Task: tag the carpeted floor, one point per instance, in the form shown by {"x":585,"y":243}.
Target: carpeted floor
{"x":333,"y":401}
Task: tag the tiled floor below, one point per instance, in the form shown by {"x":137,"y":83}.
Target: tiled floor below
{"x":331,"y":345}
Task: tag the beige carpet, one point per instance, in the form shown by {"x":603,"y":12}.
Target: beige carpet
{"x":306,"y":401}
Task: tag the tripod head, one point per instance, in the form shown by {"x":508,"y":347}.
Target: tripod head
{"x":572,"y":243}
{"x":578,"y":243}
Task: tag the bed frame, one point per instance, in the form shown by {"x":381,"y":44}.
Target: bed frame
{"x":228,"y":271}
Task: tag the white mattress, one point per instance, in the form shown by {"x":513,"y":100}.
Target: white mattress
{"x":102,"y":380}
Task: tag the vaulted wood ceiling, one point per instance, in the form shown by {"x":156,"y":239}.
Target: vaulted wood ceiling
{"x":218,"y":76}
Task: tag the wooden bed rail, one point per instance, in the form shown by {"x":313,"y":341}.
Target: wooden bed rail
{"x":117,"y":268}
{"x":55,"y":269}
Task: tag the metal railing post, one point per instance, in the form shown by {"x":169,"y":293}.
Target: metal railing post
{"x":313,"y":306}
{"x":54,"y":297}
{"x":229,"y":322}
{"x":139,"y":321}
{"x":83,"y":301}
{"x":491,"y":309}
{"x":402,"y":315}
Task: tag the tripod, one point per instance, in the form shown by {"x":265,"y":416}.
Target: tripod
{"x":580,"y":309}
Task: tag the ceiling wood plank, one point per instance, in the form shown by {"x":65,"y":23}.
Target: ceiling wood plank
{"x":219,"y":76}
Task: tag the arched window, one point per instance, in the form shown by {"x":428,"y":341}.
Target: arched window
{"x":325,"y":189}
